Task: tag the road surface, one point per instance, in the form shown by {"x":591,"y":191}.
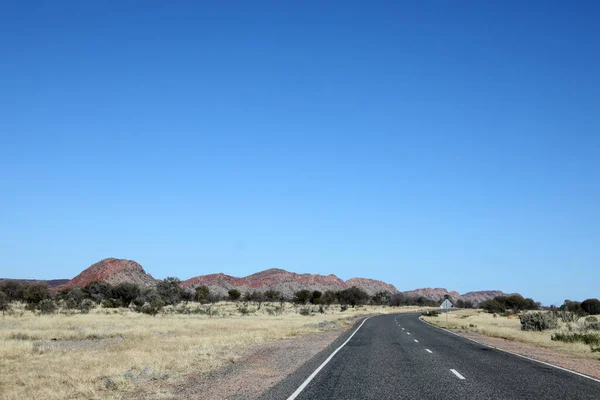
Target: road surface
{"x":398,"y":356}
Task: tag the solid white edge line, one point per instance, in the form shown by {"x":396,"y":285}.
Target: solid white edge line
{"x":429,"y":351}
{"x":514,"y":354}
{"x":312,"y":376}
{"x":455,"y":372}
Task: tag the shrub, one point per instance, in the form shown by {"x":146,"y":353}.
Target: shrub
{"x":126,"y":292}
{"x":170,"y":290}
{"x":234,"y":294}
{"x":343,"y":307}
{"x":537,"y":321}
{"x":112,"y":303}
{"x":4,"y":302}
{"x":304,"y":311}
{"x":202,"y":294}
{"x":493,"y":307}
{"x":74,"y":297}
{"x":47,"y":306}
{"x":13,"y":290}
{"x":276,"y":310}
{"x":432,"y":313}
{"x":35,"y":293}
{"x":272,"y":295}
{"x":98,"y":290}
{"x":302,"y":296}
{"x":591,"y":319}
{"x":591,"y":306}
{"x":86,"y":305}
{"x":586,"y":338}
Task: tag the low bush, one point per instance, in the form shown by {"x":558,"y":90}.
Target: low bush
{"x":432,"y":313}
{"x":592,"y":339}
{"x":537,"y":321}
{"x":304,"y":311}
{"x":591,"y":319}
{"x":86,"y":305}
{"x":47,"y":306}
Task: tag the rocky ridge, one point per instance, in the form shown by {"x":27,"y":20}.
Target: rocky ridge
{"x":113,"y":271}
{"x":284,"y":282}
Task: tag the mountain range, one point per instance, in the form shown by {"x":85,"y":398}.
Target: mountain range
{"x":115,"y":271}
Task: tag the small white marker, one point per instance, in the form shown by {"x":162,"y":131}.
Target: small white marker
{"x":429,"y":351}
{"x":402,"y":328}
{"x":459,"y":376}
{"x":408,"y":333}
{"x":416,"y":341}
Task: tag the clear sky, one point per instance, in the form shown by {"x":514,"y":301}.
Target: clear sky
{"x":427,"y":144}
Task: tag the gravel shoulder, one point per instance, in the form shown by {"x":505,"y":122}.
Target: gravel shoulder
{"x":260,"y":368}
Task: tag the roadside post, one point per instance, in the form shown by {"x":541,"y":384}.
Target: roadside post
{"x":446,"y":306}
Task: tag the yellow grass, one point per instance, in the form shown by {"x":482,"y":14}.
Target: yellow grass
{"x":111,"y":353}
{"x":510,"y":328}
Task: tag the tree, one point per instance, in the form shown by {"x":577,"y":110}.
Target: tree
{"x":170,"y":290}
{"x":202,"y":294}
{"x":4,"y":302}
{"x":272,"y":295}
{"x":353,"y":296}
{"x":381,"y":298}
{"x":591,"y":306}
{"x":98,"y":290}
{"x":13,"y":289}
{"x":329,"y":297}
{"x":126,"y":292}
{"x":74,"y":297}
{"x":234,"y":294}
{"x":493,"y":306}
{"x":302,"y":296}
{"x":315,"y":297}
{"x":35,"y":292}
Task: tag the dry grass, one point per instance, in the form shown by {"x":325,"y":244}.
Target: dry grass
{"x":510,"y":328}
{"x":109,"y":354}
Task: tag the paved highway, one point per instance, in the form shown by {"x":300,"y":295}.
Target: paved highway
{"x":400,"y":357}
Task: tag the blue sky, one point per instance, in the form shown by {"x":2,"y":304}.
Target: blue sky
{"x":426,"y":144}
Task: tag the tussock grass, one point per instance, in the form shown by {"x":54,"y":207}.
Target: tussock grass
{"x":510,"y":328}
{"x":109,"y":354}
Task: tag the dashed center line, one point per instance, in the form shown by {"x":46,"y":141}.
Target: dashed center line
{"x":402,"y":328}
{"x":429,"y":351}
{"x":408,"y":333}
{"x":416,"y":341}
{"x":459,"y":376}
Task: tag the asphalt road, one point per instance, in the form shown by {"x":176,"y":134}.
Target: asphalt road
{"x":400,"y":357}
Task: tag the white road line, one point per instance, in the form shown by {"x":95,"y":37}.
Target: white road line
{"x":312,"y":376}
{"x":514,"y":354}
{"x":429,"y":351}
{"x":416,"y":341}
{"x":457,"y":374}
{"x":402,"y":328}
{"x":408,"y":333}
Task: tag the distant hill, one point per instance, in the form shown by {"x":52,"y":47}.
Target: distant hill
{"x":285,"y":282}
{"x":113,"y":271}
{"x":437,"y":294}
{"x":51,"y":282}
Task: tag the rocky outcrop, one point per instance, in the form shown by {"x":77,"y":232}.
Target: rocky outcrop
{"x":113,"y":271}
{"x":437,"y":294}
{"x":285,"y":282}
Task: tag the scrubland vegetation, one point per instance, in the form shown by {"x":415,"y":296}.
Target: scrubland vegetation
{"x":568,"y":328}
{"x":85,"y":344}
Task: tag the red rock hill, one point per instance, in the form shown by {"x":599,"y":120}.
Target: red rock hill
{"x":438,"y":294}
{"x":113,"y":271}
{"x":285,"y":282}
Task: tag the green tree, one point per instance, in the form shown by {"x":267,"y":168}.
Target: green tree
{"x":170,"y":290}
{"x":74,"y":297}
{"x":316,"y":297}
{"x":4,"y":302}
{"x":591,"y":306}
{"x":272,"y":295}
{"x":36,"y":292}
{"x":202,"y":294}
{"x":302,"y":296}
{"x":125,"y":292}
{"x":98,"y":290}
{"x":13,"y":290}
{"x":234,"y":294}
